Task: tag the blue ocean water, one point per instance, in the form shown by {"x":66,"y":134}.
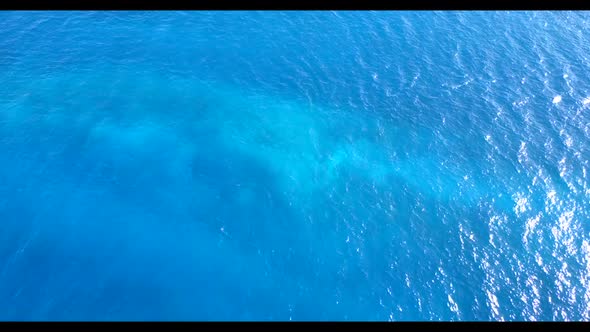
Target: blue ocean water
{"x":294,"y":165}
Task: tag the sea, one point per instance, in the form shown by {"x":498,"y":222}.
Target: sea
{"x":294,"y":166}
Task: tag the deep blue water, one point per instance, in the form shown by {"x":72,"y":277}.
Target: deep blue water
{"x":294,"y":166}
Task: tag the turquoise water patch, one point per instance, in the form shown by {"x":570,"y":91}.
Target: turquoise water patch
{"x":294,"y":166}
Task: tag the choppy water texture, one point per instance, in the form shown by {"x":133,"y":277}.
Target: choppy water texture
{"x":294,"y":165}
